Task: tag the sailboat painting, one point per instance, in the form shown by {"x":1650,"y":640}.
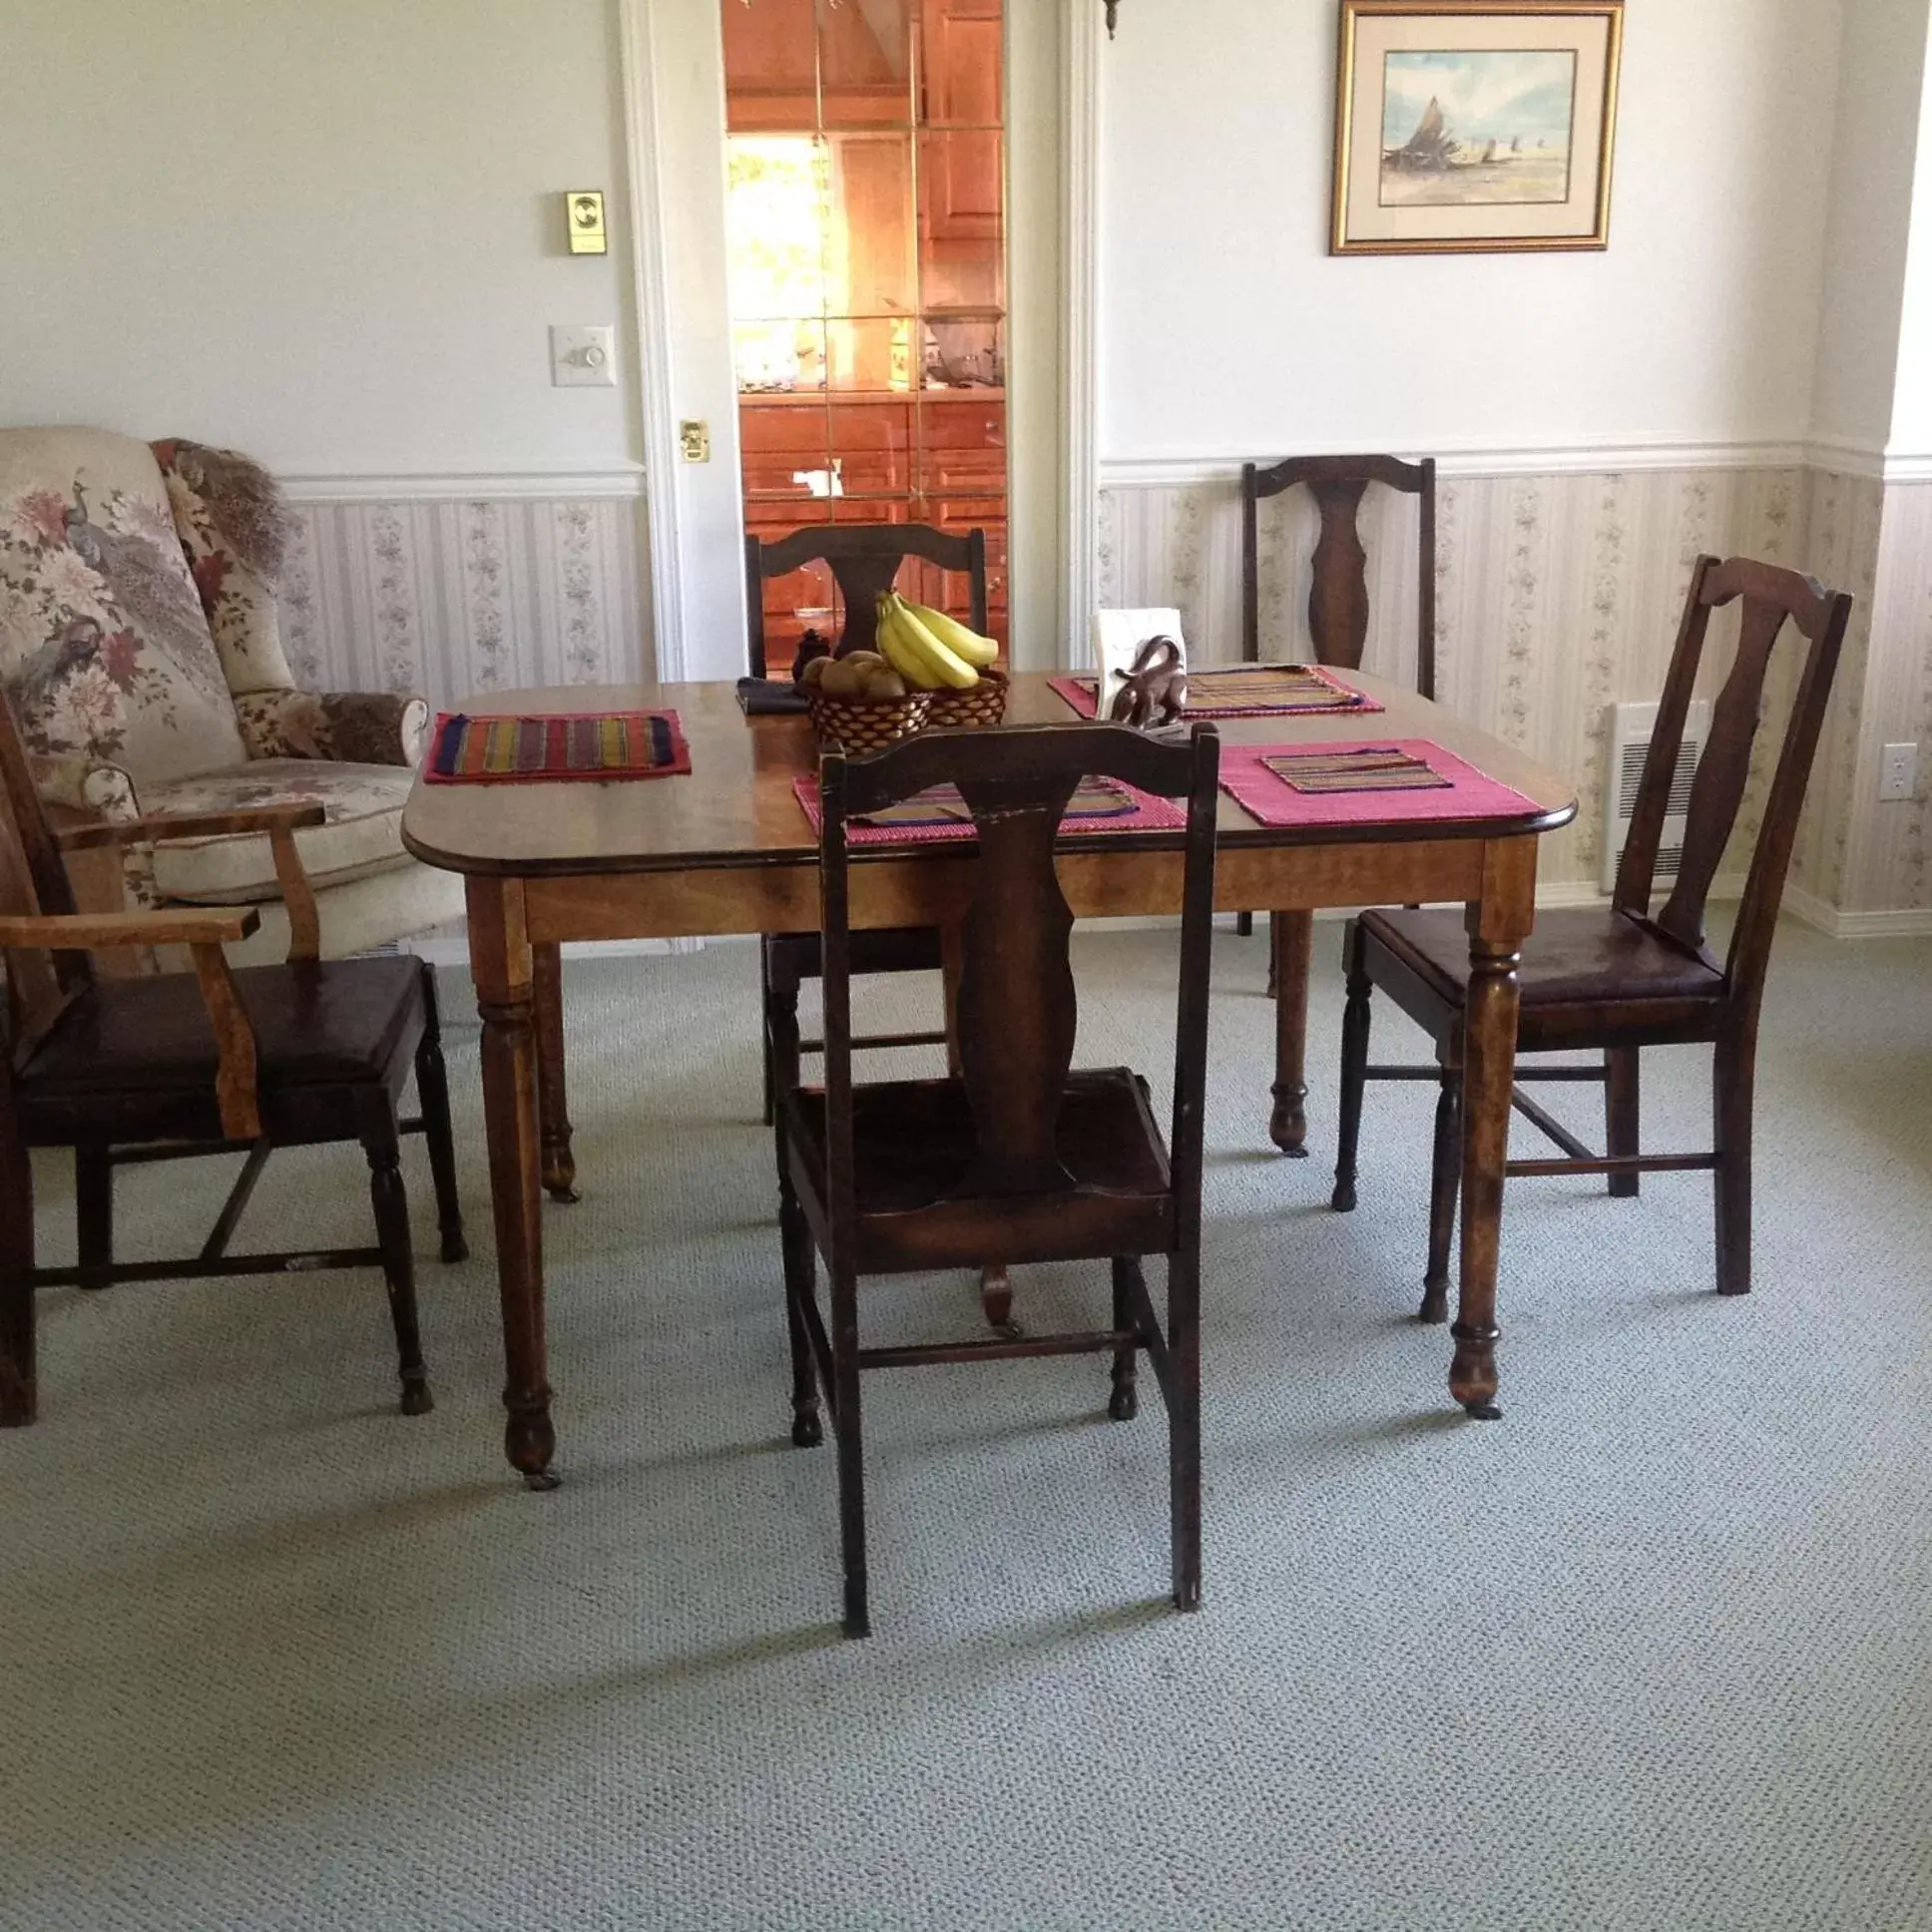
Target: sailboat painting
{"x":1463,"y":127}
{"x":1478,"y":126}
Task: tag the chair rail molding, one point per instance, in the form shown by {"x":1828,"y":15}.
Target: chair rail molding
{"x":1480,"y":460}
{"x":600,"y":482}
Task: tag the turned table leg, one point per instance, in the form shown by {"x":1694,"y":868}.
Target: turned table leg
{"x":1498,"y":923}
{"x":1291,"y":951}
{"x":559,"y":1169}
{"x":500,"y":964}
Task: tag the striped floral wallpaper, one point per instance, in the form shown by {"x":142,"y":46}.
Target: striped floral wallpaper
{"x":1555,"y":594}
{"x":447,"y":597}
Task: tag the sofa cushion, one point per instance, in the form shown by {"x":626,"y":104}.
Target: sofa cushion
{"x":104,"y":645}
{"x":363,"y":833}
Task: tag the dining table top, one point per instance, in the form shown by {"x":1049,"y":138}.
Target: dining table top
{"x":738,"y":805}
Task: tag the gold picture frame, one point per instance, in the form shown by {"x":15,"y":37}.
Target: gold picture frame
{"x":1467,"y":128}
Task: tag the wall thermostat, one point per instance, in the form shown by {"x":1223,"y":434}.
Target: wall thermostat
{"x":583,"y":219}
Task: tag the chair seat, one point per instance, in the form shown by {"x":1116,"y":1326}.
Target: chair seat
{"x":912,"y":1147}
{"x":145,"y":1045}
{"x":363,"y":832}
{"x":1575,"y":958}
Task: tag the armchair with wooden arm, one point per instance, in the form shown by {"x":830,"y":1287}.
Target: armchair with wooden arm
{"x":177,"y":1064}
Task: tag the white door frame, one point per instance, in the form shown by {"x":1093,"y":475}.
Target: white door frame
{"x":1051,"y":577}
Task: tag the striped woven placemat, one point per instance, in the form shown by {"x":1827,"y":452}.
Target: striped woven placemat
{"x":512,"y":748}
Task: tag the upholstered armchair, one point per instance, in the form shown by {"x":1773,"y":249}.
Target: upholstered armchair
{"x":139,"y":648}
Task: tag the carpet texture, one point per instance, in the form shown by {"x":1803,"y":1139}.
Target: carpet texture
{"x":1650,"y":1653}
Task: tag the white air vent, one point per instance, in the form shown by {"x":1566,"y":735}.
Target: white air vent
{"x":1631,"y":726}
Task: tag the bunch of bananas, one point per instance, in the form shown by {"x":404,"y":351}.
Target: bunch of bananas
{"x":928,"y":648}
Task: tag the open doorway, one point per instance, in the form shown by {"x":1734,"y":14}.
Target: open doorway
{"x":867,"y":278}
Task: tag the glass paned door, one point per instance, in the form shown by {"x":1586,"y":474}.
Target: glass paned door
{"x":866,"y":256}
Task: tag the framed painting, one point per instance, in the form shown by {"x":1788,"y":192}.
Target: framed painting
{"x":1463,"y":127}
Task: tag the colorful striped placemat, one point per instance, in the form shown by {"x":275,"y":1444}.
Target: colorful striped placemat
{"x":1396,"y":782}
{"x":939,"y":812}
{"x":508,"y":748}
{"x":1243,"y":690}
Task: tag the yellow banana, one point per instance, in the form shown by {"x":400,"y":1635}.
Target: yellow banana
{"x":897,"y":652}
{"x":939,"y":665}
{"x":955,"y":636}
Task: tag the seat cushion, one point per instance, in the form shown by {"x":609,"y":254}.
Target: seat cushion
{"x":105,"y":648}
{"x":1573,"y":957}
{"x":914,"y":1140}
{"x":363,"y":833}
{"x":339,"y":1024}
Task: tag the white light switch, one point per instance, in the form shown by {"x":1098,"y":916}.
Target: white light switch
{"x":583,"y":354}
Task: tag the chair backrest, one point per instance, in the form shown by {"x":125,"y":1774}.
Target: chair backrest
{"x":863,"y":558}
{"x":1769,"y":597}
{"x":1338,"y":591}
{"x":1016,"y":1009}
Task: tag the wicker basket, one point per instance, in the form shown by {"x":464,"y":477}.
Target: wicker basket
{"x":863,"y":725}
{"x":978,"y":704}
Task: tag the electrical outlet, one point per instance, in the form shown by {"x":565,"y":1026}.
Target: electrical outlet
{"x":1899,"y":771}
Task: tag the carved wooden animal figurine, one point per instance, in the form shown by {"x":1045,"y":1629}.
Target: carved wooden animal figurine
{"x":1155,"y":692}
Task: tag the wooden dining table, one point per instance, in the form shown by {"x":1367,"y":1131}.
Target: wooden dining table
{"x":727,"y":848}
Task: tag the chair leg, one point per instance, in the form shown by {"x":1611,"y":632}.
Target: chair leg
{"x":800,"y":1286}
{"x":781,"y":994}
{"x":94,"y":1215}
{"x":1184,"y":1425}
{"x":432,"y":1092}
{"x":1445,"y":1180}
{"x":1621,"y":1114}
{"x":1354,"y":1074}
{"x":851,"y":1457}
{"x":1733,"y":1070}
{"x":19,"y":1387}
{"x":1124,"y":1401}
{"x":768,"y":1048}
{"x":383,"y":1145}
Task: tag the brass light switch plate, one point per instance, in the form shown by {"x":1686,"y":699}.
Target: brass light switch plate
{"x":695,"y":441}
{"x":584,"y":217}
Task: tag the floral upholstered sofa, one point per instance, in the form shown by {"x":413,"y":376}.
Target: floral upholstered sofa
{"x":138,"y":647}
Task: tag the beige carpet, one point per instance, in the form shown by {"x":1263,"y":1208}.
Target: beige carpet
{"x":1650,"y":1653}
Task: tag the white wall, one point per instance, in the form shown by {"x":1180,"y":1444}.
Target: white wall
{"x":1873,"y":163}
{"x":1227,"y":329}
{"x":325,"y":232}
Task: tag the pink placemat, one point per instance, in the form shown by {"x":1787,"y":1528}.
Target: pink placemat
{"x":1243,"y":690}
{"x":1464,"y":791}
{"x":1100,"y":805}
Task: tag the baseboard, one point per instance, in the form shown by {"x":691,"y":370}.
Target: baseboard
{"x":1897,"y":922}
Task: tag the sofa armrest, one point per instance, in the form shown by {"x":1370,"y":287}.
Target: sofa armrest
{"x":95,"y":789}
{"x":345,"y":727}
{"x":280,"y":822}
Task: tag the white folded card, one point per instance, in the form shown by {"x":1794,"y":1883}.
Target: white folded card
{"x":1117,"y":637}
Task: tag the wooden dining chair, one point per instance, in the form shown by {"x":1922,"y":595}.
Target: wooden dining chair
{"x":864,"y":558}
{"x":1016,"y":1155}
{"x":1619,"y":979}
{"x":1339,"y":630}
{"x":219,"y":1060}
